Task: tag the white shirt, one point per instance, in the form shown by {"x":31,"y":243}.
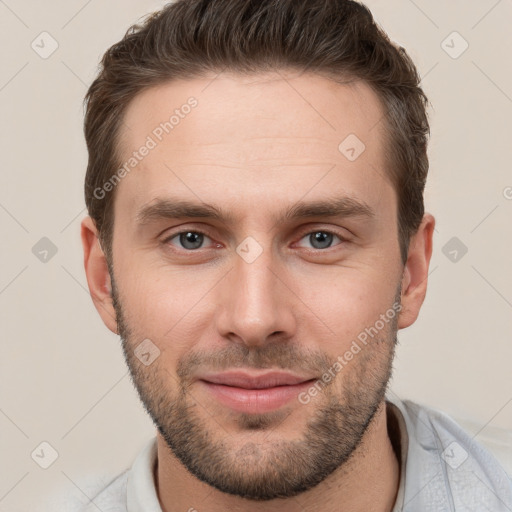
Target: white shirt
{"x":442,"y":469}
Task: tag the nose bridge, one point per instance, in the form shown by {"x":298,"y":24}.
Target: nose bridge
{"x":257,"y":282}
{"x":255,"y":305}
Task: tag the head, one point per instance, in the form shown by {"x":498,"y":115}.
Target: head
{"x":255,"y":191}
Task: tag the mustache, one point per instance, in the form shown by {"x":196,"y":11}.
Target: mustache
{"x":276,"y":355}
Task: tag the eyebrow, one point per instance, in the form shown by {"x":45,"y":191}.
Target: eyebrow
{"x":178,"y":209}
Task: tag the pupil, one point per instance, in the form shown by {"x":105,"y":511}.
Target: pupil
{"x":320,"y":239}
{"x":191,"y":240}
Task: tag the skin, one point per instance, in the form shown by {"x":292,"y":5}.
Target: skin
{"x":254,"y":147}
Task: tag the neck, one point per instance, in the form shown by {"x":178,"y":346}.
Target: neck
{"x":368,"y":481}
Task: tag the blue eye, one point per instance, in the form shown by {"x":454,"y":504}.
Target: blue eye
{"x":189,"y":240}
{"x":321,"y":239}
{"x":193,"y":240}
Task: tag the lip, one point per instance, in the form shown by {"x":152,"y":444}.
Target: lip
{"x":252,"y":392}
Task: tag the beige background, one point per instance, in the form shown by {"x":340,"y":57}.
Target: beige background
{"x":63,"y":379}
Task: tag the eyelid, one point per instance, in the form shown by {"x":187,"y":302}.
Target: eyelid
{"x":169,"y":237}
{"x":306,"y":230}
{"x":341,"y":238}
{"x":342,"y":233}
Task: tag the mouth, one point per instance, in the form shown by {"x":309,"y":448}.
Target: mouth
{"x":255,"y":393}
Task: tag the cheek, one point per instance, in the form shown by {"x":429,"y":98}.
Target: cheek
{"x":163,"y":304}
{"x":177,"y":306}
{"x":346,"y":305}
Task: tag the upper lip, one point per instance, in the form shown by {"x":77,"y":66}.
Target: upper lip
{"x":241,"y":379}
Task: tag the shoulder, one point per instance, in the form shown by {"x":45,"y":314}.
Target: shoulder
{"x":455,"y":443}
{"x":110,"y":497}
{"x":453,"y":467}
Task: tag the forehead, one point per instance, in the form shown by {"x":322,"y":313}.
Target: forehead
{"x":229,"y":134}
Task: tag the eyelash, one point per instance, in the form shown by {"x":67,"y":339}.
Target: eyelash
{"x":304,"y":234}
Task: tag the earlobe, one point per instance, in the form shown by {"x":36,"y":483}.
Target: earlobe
{"x":415,"y":275}
{"x":98,"y":276}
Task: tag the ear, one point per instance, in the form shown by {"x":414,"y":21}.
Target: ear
{"x":415,"y":276}
{"x":98,"y":277}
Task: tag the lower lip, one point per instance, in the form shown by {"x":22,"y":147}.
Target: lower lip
{"x":255,"y":400}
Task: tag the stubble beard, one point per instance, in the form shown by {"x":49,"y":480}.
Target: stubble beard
{"x":268,"y":469}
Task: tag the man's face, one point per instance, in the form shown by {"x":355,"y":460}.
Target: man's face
{"x":269,"y":285}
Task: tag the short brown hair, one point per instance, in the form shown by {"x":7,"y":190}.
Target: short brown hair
{"x":192,"y":38}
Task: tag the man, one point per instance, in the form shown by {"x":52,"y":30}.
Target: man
{"x":257,"y":237}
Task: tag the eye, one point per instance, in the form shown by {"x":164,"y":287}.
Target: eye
{"x":320,"y":239}
{"x":189,"y":240}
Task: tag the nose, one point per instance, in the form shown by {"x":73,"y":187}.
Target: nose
{"x":256,"y":304}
